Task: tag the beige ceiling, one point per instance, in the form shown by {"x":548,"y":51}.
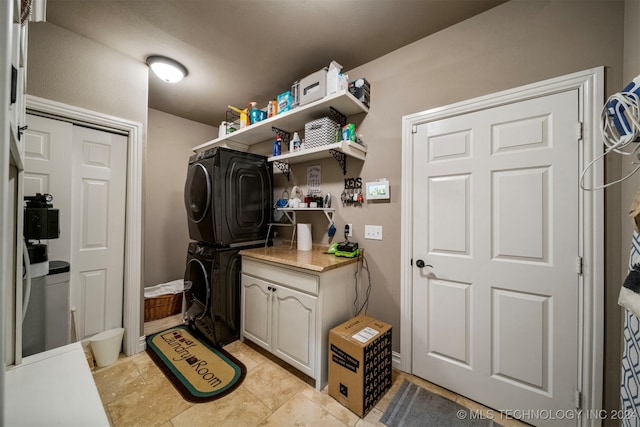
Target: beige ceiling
{"x":238,"y":51}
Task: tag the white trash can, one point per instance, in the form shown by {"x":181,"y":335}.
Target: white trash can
{"x":106,"y":346}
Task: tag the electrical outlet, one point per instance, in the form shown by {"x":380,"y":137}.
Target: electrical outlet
{"x":373,"y":232}
{"x":349,"y":230}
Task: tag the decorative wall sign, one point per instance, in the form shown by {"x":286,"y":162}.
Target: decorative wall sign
{"x":314,"y":176}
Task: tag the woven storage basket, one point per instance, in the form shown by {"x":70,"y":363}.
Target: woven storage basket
{"x":163,"y":306}
{"x":320,"y":132}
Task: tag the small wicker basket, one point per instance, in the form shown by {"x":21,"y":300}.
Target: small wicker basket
{"x":163,"y":306}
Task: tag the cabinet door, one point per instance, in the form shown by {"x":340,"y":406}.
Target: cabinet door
{"x":294,"y":328}
{"x":256,"y":311}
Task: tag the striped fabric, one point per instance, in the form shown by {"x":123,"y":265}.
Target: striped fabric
{"x":630,"y":388}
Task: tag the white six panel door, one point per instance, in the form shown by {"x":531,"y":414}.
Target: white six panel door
{"x":47,"y":170}
{"x":97,"y":247}
{"x":85,"y":171}
{"x":496,"y":214}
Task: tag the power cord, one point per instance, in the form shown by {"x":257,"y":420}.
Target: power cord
{"x":620,"y":126}
{"x":365,"y":303}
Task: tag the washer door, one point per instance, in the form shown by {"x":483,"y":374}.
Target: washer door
{"x":196,"y":273}
{"x":197,"y":192}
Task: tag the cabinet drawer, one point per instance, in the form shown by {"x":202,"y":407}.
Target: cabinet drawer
{"x":285,"y":276}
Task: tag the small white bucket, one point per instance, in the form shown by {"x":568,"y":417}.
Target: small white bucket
{"x":106,"y":346}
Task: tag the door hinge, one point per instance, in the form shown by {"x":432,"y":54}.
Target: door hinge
{"x":578,"y":399}
{"x":579,"y":131}
{"x":579,"y":265}
{"x":414,"y":129}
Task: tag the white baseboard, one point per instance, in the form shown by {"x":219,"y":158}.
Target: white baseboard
{"x":142,"y":345}
{"x":396,"y":360}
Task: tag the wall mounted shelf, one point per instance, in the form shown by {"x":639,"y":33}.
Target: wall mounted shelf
{"x":339,"y":150}
{"x":290,"y":213}
{"x":292,"y":120}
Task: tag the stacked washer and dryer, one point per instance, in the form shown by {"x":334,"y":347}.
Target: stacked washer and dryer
{"x":228,"y":196}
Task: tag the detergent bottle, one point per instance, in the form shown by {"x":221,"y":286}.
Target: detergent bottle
{"x":277,"y":146}
{"x":244,"y":116}
{"x":294,"y":145}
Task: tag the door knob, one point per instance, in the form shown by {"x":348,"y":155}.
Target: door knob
{"x":420,"y":264}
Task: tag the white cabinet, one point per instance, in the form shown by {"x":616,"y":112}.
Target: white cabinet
{"x":289,"y":311}
{"x":271,"y":310}
{"x":296,"y":345}
{"x":256,"y":308}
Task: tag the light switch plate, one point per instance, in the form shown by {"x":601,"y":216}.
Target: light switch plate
{"x":373,"y":232}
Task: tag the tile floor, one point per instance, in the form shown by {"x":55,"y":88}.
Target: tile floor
{"x":136,"y":393}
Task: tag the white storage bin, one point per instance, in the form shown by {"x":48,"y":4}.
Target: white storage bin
{"x":320,"y":132}
{"x":313,"y":87}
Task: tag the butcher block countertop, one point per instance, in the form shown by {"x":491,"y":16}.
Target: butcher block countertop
{"x":315,"y":260}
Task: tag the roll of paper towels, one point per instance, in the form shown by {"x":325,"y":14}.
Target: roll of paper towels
{"x":304,"y":237}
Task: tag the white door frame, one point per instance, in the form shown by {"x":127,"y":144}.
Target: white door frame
{"x":134,"y":341}
{"x":590,"y":84}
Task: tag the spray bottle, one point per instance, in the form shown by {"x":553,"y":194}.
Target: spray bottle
{"x":294,"y":144}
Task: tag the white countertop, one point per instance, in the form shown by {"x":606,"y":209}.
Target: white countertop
{"x":53,"y":388}
{"x":316,"y":259}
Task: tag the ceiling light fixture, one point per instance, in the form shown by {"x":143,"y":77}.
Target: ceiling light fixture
{"x":166,"y":68}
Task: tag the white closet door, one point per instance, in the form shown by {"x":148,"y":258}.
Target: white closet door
{"x":47,"y":146}
{"x":85,"y":171}
{"x":99,"y":163}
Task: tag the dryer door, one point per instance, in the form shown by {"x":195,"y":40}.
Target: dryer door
{"x":196,"y":273}
{"x":242,"y":188}
{"x":197,"y":192}
{"x":225,"y":295}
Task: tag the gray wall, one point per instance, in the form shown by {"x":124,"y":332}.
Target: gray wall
{"x":68,"y":68}
{"x":74,"y":70}
{"x":514,"y":44}
{"x":511,"y":45}
{"x":169,"y":143}
{"x":517,"y":43}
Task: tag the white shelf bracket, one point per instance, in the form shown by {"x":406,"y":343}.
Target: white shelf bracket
{"x":291,"y":216}
{"x":329,"y":215}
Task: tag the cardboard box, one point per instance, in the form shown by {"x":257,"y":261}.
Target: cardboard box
{"x":360,"y":363}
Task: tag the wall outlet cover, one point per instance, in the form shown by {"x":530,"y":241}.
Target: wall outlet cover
{"x":348,"y":229}
{"x":373,"y":232}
